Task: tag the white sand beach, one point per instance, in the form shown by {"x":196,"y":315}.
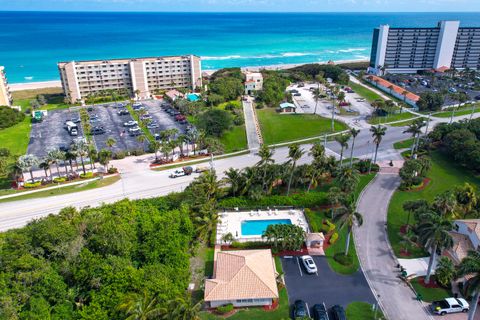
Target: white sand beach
{"x":34,"y":85}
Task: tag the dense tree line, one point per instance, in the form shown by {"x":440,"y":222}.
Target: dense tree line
{"x":430,"y":101}
{"x":312,"y":71}
{"x":274,"y":89}
{"x":10,"y":117}
{"x":460,"y":141}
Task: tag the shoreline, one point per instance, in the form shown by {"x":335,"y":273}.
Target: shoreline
{"x":57,"y":83}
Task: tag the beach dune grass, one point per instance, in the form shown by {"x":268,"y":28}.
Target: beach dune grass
{"x":54,"y":97}
{"x":278,"y":128}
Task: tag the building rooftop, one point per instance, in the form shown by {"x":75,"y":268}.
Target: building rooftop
{"x":127,"y":59}
{"x":387,"y":84}
{"x":245,"y":274}
{"x":473,"y":225}
{"x":287,"y":105}
{"x":461,"y":246}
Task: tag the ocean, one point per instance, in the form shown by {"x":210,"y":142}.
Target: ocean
{"x":31,"y":43}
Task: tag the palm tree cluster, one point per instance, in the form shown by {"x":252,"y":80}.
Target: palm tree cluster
{"x":285,"y":236}
{"x":264,"y":178}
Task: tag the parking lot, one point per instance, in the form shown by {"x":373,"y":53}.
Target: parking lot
{"x":438,"y":83}
{"x":163,"y":119}
{"x":51,"y":133}
{"x":114,"y":128}
{"x":325,"y":286}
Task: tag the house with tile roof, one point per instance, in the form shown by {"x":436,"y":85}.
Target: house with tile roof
{"x":466,"y":237}
{"x":394,"y":90}
{"x":242,"y":278}
{"x":253,"y":82}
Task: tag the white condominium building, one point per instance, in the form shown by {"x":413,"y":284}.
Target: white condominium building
{"x":408,"y":50}
{"x":140,"y":77}
{"x":5,"y":96}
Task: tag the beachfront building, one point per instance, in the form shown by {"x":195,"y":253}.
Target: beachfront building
{"x":253,"y":82}
{"x":242,"y":278}
{"x":408,"y":50}
{"x":141,"y":77}
{"x":5,"y":96}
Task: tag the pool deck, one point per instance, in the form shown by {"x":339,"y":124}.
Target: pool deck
{"x":231,"y":222}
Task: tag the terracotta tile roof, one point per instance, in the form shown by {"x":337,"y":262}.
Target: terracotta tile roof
{"x":461,"y":246}
{"x":442,"y":69}
{"x":246,"y":274}
{"x":384,"y":83}
{"x":473,"y":225}
{"x":173,"y":94}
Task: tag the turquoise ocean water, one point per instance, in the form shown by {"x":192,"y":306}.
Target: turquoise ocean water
{"x":31,"y":43}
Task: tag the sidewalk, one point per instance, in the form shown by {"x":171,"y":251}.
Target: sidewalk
{"x":252,"y":127}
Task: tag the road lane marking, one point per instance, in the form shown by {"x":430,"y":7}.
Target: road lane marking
{"x":299,"y":268}
{"x":308,"y":310}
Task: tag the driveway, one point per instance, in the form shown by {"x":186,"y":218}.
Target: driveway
{"x":324,"y":287}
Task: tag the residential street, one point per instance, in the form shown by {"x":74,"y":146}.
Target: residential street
{"x":253,"y":137}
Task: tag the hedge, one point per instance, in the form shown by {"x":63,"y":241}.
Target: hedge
{"x":249,"y":245}
{"x":29,"y":185}
{"x":344,"y":260}
{"x":225,"y":309}
{"x":333,"y":238}
{"x":59,"y":179}
{"x":303,"y":199}
{"x":87,"y":175}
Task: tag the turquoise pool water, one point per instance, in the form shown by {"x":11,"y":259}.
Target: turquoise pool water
{"x":257,"y":227}
{"x":192,"y":97}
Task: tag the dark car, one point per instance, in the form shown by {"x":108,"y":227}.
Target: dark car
{"x":338,"y":313}
{"x":477,"y":97}
{"x":319,"y":312}
{"x":97,"y":130}
{"x":299,"y":309}
{"x":76,"y":120}
{"x":123,"y":112}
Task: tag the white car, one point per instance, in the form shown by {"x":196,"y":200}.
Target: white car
{"x":450,"y":305}
{"x":309,"y":264}
{"x":131,"y":123}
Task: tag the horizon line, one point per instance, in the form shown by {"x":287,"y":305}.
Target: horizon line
{"x":272,"y":12}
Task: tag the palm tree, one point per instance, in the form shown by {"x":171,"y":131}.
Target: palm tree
{"x":354,"y":133}
{"x":45,"y":165}
{"x":141,"y":307}
{"x":294,"y":154}
{"x":434,"y":234}
{"x":317,"y":96}
{"x":407,"y":239}
{"x":445,"y":271}
{"x":347,"y":179}
{"x":266,"y":159}
{"x":70,"y":156}
{"x":155,"y":147}
{"x":317,"y":152}
{"x":445,"y":203}
{"x":470,"y":265}
{"x":415,"y":129}
{"x":141,"y":139}
{"x":27,"y":162}
{"x":347,"y":216}
{"x":233,"y":178}
{"x":343,"y":142}
{"x":183,"y":309}
{"x":110,"y":142}
{"x":54,"y":156}
{"x":104,"y":157}
{"x":377,"y":133}
{"x":335,"y":196}
{"x":81,"y":149}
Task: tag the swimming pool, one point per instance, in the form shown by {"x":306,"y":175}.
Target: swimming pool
{"x":257,"y":227}
{"x":192,"y":97}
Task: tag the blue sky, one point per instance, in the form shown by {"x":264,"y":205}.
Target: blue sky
{"x":244,"y":5}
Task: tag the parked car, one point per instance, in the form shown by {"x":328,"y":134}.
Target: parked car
{"x":344,"y":104}
{"x":78,"y":120}
{"x":309,"y":264}
{"x":338,"y":313}
{"x":134,"y":132}
{"x":123,"y":112}
{"x":200,"y":169}
{"x":449,"y":305}
{"x":452,"y":90}
{"x":184,"y":121}
{"x":180,"y":117}
{"x":477,"y":97}
{"x":131,"y":123}
{"x":93,"y":116}
{"x":300,"y":309}
{"x":297,"y":94}
{"x":146,"y":117}
{"x":319,"y":312}
{"x":97,"y":130}
{"x":153,"y":125}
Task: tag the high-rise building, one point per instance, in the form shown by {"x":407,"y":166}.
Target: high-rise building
{"x":141,"y":77}
{"x":5,"y":96}
{"x":408,"y":50}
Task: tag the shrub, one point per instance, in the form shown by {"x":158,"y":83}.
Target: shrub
{"x":138,"y":152}
{"x":363,"y":165}
{"x":119,"y":155}
{"x":330,"y":226}
{"x":112,"y":170}
{"x":249,"y":245}
{"x":344,"y":260}
{"x":302,"y":199}
{"x":87,"y":175}
{"x":225,"y":309}
{"x":10,"y":117}
{"x":30,"y":185}
{"x":59,"y":179}
{"x":333,"y":238}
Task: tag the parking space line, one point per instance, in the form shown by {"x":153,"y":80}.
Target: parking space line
{"x":308,"y":310}
{"x":299,"y":267}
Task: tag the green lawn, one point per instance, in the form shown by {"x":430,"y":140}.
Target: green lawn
{"x":16,"y":137}
{"x":448,"y":114}
{"x":54,"y":97}
{"x":282,"y":312}
{"x":405,"y":144}
{"x":368,"y":94}
{"x":444,"y":175}
{"x":430,"y":294}
{"x":316,"y":218}
{"x":65,"y":190}
{"x":278,"y":128}
{"x":391,"y":118}
{"x":404,"y":123}
{"x":362,"y":311}
{"x":235,"y":139}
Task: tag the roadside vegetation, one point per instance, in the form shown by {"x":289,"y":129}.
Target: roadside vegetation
{"x":363,"y":311}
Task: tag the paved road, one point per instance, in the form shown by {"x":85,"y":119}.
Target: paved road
{"x":376,"y":256}
{"x":253,"y":136}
